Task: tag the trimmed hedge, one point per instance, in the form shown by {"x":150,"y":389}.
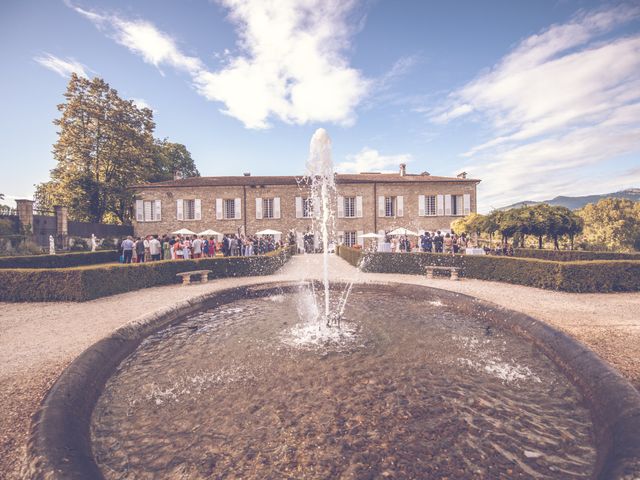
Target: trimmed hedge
{"x":89,"y":282}
{"x":573,"y":255}
{"x":594,"y":276}
{"x":351,"y":255}
{"x":64,"y":260}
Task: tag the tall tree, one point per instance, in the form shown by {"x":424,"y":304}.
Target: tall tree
{"x":170,"y":159}
{"x":105,"y":144}
{"x":612,"y":224}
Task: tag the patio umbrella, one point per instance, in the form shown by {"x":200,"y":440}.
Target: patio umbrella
{"x":209,"y":232}
{"x":371,"y":235}
{"x":183,"y":231}
{"x":268,"y":231}
{"x":402,"y":231}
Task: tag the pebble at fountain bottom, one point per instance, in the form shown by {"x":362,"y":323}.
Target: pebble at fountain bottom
{"x":410,"y":388}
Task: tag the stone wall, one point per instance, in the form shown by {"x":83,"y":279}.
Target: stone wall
{"x":248,"y":223}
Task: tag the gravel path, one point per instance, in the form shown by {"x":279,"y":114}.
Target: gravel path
{"x":38,"y":340}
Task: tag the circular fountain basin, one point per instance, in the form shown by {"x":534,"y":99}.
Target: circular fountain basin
{"x":416,"y":383}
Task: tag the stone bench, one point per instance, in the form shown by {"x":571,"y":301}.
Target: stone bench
{"x":453,"y":270}
{"x":186,"y":276}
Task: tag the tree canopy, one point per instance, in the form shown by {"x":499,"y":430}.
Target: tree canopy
{"x":105,"y":145}
{"x":612,"y":224}
{"x":539,"y":221}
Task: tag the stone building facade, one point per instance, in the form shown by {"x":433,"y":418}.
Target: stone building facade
{"x":366,"y":202}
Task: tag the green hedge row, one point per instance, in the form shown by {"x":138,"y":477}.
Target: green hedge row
{"x":89,"y":282}
{"x":573,"y":255}
{"x":63,"y":260}
{"x":593,"y":276}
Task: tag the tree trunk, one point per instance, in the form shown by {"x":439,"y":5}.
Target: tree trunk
{"x":539,"y":242}
{"x":555,"y":243}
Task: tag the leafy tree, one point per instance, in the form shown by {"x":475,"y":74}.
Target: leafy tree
{"x":471,"y":224}
{"x":612,"y":224}
{"x":170,"y":158}
{"x":562,"y":222}
{"x":105,"y":144}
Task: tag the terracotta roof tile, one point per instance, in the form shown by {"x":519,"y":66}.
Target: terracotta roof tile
{"x":297,"y":180}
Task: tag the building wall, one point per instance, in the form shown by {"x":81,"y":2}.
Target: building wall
{"x":369,"y":222}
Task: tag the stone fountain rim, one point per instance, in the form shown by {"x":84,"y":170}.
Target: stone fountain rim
{"x":59,"y":445}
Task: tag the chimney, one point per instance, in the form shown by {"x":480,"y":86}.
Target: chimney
{"x":403,"y":169}
{"x":247,"y":174}
{"x":462,"y":175}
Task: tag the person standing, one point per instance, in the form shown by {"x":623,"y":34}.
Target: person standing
{"x":448,"y":244}
{"x":155,"y":248}
{"x":177,"y":249}
{"x":186,"y":249}
{"x":166,"y":248}
{"x":140,"y":250}
{"x":205,"y":247}
{"x":438,"y":241}
{"x":196,"y":245}
{"x":127,"y":249}
{"x":147,"y":252}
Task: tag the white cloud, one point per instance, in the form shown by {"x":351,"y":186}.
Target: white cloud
{"x":291,"y":66}
{"x":62,"y":67}
{"x":141,"y":103}
{"x":562,"y":102}
{"x":370,"y":160}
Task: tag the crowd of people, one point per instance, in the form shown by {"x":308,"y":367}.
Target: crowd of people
{"x":183,"y":247}
{"x":435,"y":242}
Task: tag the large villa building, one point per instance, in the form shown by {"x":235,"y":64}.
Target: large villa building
{"x":367,"y":202}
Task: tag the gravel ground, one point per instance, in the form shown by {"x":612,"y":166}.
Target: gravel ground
{"x":38,"y":340}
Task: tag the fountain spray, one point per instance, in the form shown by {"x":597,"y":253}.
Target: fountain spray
{"x":323,"y":191}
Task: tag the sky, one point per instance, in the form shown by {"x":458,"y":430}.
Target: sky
{"x":536,"y":99}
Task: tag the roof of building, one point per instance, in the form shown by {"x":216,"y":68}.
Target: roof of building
{"x":249,"y":180}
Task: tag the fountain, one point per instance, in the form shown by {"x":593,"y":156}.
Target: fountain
{"x":265,"y":381}
{"x":323,"y":193}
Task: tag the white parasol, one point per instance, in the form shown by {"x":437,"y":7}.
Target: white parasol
{"x":183,"y":231}
{"x":402,"y":231}
{"x":209,"y":232}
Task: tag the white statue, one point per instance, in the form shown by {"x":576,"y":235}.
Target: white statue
{"x":94,"y":243}
{"x":52,"y":245}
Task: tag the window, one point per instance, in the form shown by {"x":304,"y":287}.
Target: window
{"x":307,"y":207}
{"x":349,"y":206}
{"x":267,"y":208}
{"x":229,"y":208}
{"x":350,"y":238}
{"x":430,"y":205}
{"x":389,"y":206}
{"x":149,"y":211}
{"x":457,"y":205}
{"x":189,"y":209}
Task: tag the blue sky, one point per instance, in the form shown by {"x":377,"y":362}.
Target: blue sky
{"x":535,"y":98}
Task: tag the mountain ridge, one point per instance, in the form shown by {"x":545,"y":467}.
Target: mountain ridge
{"x":574,"y":203}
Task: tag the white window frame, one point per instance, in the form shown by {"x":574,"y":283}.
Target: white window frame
{"x":267,"y":208}
{"x":350,"y":238}
{"x":189,"y":207}
{"x":148,"y":211}
{"x":389,"y":206}
{"x":307,"y":207}
{"x":229,"y":206}
{"x":350,"y":207}
{"x":430,"y":205}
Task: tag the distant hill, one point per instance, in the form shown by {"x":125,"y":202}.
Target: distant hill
{"x":575,"y":203}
